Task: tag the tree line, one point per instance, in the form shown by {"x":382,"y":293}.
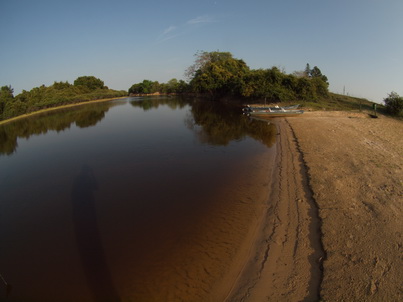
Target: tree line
{"x":220,"y":75}
{"x":84,"y":88}
{"x":214,"y":74}
{"x":173,"y":86}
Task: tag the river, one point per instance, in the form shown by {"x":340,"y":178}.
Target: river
{"x":137,"y":199}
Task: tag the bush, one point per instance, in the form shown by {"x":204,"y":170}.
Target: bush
{"x":394,"y":104}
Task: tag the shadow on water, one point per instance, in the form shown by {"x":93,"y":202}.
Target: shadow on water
{"x":88,"y":238}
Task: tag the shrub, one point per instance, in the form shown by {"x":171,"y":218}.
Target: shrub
{"x":394,"y":104}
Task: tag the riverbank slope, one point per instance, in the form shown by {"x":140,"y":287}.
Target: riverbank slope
{"x":355,"y":167}
{"x":333,"y":229}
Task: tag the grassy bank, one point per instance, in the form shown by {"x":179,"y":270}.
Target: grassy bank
{"x":337,"y":102}
{"x":342,"y":102}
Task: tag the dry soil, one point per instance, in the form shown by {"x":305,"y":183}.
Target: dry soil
{"x":333,"y":227}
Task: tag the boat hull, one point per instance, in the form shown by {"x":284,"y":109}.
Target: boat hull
{"x":272,"y":111}
{"x":259,"y":108}
{"x":275,"y":114}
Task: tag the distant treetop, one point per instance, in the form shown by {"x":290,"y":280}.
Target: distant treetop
{"x":90,"y":82}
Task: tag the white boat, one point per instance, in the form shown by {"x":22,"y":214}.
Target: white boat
{"x":275,"y":111}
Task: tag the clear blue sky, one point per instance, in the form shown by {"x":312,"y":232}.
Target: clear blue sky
{"x":357,"y":44}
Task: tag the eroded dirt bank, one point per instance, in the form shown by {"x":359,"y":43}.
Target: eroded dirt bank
{"x":355,"y":166}
{"x":333,"y":225}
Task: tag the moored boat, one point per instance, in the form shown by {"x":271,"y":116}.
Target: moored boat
{"x":266,"y":107}
{"x":275,"y":111}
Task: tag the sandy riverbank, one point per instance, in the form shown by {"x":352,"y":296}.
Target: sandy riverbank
{"x":334,"y":224}
{"x":331,"y":228}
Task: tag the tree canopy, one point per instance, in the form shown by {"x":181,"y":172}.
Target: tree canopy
{"x":145,"y":87}
{"x":150,"y":87}
{"x":316,"y":73}
{"x":90,"y":82}
{"x":217,"y":73}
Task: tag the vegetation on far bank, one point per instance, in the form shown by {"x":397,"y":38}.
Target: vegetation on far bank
{"x":220,"y":76}
{"x":86,"y":88}
{"x":216,"y":75}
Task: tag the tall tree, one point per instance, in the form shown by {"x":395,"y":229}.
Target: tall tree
{"x":307,"y":71}
{"x":217,"y":73}
{"x":316,"y":73}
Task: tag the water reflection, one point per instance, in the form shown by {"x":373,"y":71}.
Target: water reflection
{"x":213,"y":123}
{"x":88,"y":238}
{"x":83,"y":116}
{"x":219,"y":124}
{"x":153,"y":102}
{"x":174,"y":212}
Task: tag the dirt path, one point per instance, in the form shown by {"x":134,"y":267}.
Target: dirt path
{"x":334,"y":224}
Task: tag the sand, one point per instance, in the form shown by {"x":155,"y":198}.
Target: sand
{"x":333,"y":226}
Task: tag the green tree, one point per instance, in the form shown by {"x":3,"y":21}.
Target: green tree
{"x":269,"y":84}
{"x":6,"y":92}
{"x":394,"y":104}
{"x":61,"y":85}
{"x":6,"y":96}
{"x":304,"y":89}
{"x":316,"y":73}
{"x":90,"y":82}
{"x":134,"y":89}
{"x":14,"y":108}
{"x":320,"y":87}
{"x":145,"y":87}
{"x":289,"y":82}
{"x":172,"y":86}
{"x":311,"y":73}
{"x":182,"y":87}
{"x":155,"y":87}
{"x":217,"y":73}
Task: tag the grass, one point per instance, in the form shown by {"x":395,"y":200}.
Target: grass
{"x":338,"y":102}
{"x":344,"y":103}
